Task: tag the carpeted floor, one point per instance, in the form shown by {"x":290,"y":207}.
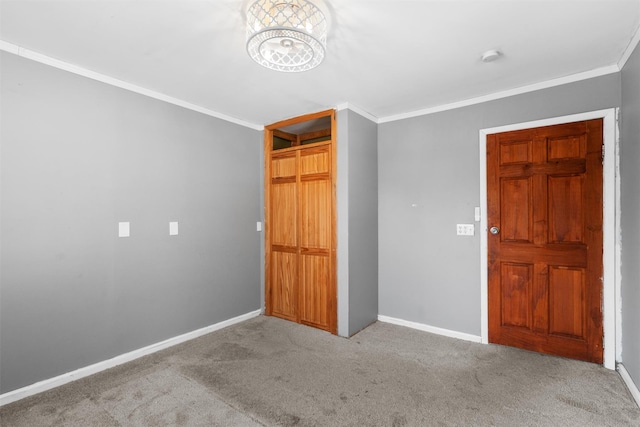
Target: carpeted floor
{"x":267,"y":371}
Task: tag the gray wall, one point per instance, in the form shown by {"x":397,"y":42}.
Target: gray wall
{"x":342,"y":219}
{"x":77,"y":157}
{"x":357,"y":197}
{"x":630,"y":199}
{"x":363,"y":222}
{"x":428,"y":180}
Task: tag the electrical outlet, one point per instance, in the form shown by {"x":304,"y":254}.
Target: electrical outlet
{"x":465,"y":230}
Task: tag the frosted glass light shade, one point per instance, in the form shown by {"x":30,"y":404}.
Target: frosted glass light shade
{"x":287,"y":35}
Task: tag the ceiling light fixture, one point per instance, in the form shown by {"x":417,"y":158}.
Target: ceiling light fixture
{"x":286,"y":35}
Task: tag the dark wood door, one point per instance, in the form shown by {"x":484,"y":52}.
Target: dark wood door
{"x":544,"y":198}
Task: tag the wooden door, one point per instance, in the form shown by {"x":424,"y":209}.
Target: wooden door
{"x":300,"y":227}
{"x":315,"y":236}
{"x":282,"y":230}
{"x":544,"y":196}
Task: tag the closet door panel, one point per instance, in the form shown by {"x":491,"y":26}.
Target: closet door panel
{"x":315,"y":161}
{"x":284,"y":215}
{"x":284,"y":276}
{"x":284,"y":166}
{"x":315,"y":215}
{"x":314,"y":290}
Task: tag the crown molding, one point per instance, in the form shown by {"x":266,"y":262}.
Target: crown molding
{"x":504,"y":94}
{"x":66,"y":66}
{"x":44,"y":59}
{"x":633,"y":43}
{"x":356,"y":109}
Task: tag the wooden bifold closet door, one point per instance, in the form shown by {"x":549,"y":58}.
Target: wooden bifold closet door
{"x":299,"y":225}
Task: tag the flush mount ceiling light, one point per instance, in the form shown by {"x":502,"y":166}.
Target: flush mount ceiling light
{"x":286,"y":35}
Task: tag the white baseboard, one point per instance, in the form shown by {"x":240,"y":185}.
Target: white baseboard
{"x":431,"y":329}
{"x":633,"y":388}
{"x":50,"y":383}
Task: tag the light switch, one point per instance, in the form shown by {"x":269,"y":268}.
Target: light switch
{"x":123,"y":229}
{"x":477,"y":213}
{"x":258,"y":226}
{"x":173,"y":228}
{"x":465,"y":230}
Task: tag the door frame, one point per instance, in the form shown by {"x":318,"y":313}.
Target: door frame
{"x":611,"y":225}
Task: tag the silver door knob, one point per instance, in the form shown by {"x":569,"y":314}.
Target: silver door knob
{"x":494,"y":230}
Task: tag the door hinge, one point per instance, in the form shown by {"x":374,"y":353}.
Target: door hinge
{"x":603,"y":153}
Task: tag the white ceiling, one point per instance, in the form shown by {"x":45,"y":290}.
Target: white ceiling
{"x":385,"y":57}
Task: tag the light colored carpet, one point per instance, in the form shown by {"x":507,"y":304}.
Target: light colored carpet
{"x":270,"y":372}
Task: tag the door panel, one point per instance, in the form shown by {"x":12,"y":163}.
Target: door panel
{"x":284,"y":166}
{"x":314,"y":297}
{"x":544,"y":192}
{"x":515,"y":152}
{"x":314,"y":161}
{"x":566,"y":213}
{"x":284,"y":225}
{"x":315,"y":218}
{"x":516,"y":295}
{"x":516,"y":212}
{"x":567,"y":148}
{"x":284,"y":278}
{"x":566,"y":318}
